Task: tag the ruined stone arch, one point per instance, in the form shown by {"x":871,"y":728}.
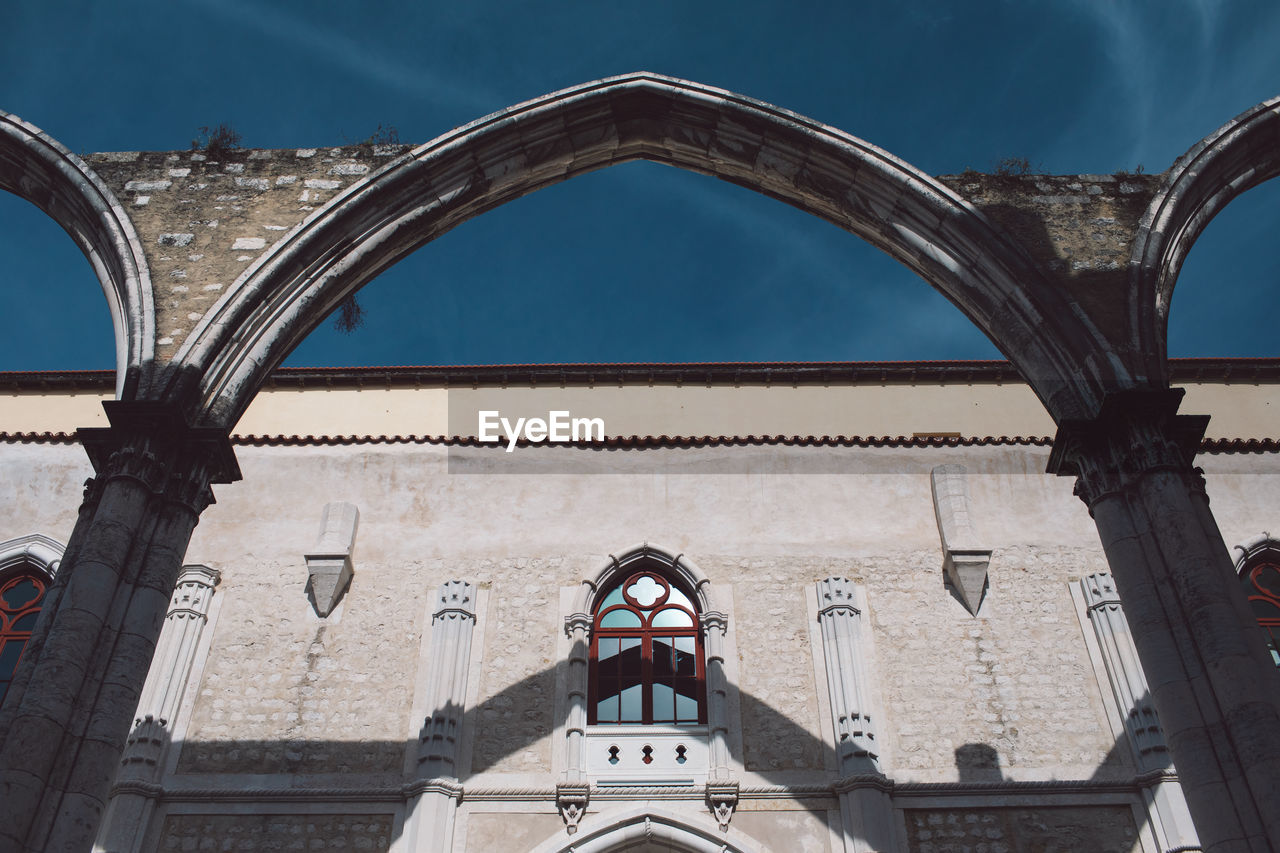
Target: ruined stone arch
{"x":1236,"y":157}
{"x":831,"y":174}
{"x":35,"y":167}
{"x":645,"y":828}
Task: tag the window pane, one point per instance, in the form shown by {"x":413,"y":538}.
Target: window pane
{"x":686,"y":702}
{"x":21,"y":594}
{"x":608,"y":647}
{"x":686,"y":663}
{"x":678,"y":597}
{"x":26,"y":623}
{"x":672,"y":617}
{"x":620,"y":619}
{"x":664,"y":707}
{"x":629,"y":659}
{"x":662,"y":657}
{"x":9,"y":655}
{"x":632,"y":705}
{"x":612,"y":599}
{"x":607,"y":710}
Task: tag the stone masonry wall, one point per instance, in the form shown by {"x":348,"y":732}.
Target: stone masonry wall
{"x":1087,"y":829}
{"x":251,"y":833}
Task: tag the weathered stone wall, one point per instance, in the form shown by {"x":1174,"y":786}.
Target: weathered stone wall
{"x":250,"y":833}
{"x":1095,"y":829}
{"x":203,"y":218}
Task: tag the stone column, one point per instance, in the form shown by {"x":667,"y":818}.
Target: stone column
{"x":1171,"y":821}
{"x":722,"y":790}
{"x":129,"y":812}
{"x":573,"y":791}
{"x":435,"y":793}
{"x":864,"y":799}
{"x":1210,"y":675}
{"x":64,"y":727}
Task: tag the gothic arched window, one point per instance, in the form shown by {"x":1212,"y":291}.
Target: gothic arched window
{"x":1261,"y":579}
{"x":21,"y":594}
{"x":647,"y":664}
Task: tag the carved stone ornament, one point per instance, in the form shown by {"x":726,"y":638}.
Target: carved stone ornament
{"x":722,"y":799}
{"x":1136,"y":432}
{"x":329,"y":567}
{"x":571,"y":801}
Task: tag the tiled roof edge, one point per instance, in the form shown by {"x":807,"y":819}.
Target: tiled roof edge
{"x":639,"y":442}
{"x":782,"y":372}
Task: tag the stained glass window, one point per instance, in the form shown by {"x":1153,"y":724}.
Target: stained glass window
{"x":20,"y":599}
{"x":646,"y":656}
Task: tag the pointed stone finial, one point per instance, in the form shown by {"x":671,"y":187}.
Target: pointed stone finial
{"x":964,"y":561}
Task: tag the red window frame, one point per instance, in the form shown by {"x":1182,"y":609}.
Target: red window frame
{"x":17,"y":618}
{"x":648,"y":675}
{"x":1261,"y":579}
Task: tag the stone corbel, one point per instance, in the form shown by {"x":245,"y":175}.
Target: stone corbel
{"x":329,"y":566}
{"x":571,"y":802}
{"x":722,"y":799}
{"x":963,"y":560}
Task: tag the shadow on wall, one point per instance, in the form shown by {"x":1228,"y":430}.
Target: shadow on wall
{"x":519,"y":718}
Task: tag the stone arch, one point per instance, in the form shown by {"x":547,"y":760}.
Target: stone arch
{"x":823,"y":171}
{"x":35,"y":167}
{"x":33,"y":551}
{"x":678,"y":565}
{"x":643,"y":829}
{"x":1236,"y":157}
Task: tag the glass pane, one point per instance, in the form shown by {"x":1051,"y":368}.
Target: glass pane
{"x":629,"y":659}
{"x":662,"y":657}
{"x":632,"y":705}
{"x":607,"y":710}
{"x":26,"y":623}
{"x":646,"y":590}
{"x":1267,"y":578}
{"x":678,"y":597}
{"x":686,"y":705}
{"x":9,"y":657}
{"x":664,"y":708}
{"x":685,"y":661}
{"x":672,"y":617}
{"x":21,"y":594}
{"x":620,"y":619}
{"x":607,"y":648}
{"x":612,"y":599}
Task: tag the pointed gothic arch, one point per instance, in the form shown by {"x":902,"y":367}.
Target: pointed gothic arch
{"x":35,"y":167}
{"x":422,"y":194}
{"x":1234,"y":158}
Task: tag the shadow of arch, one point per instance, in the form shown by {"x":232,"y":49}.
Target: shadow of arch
{"x":611,"y":818}
{"x":35,"y":167}
{"x":830,"y":174}
{"x":1236,"y":157}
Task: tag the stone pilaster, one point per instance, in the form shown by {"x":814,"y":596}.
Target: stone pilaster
{"x":142,"y":766}
{"x":434,"y":796}
{"x":1166,"y":805}
{"x":864,"y":801}
{"x":62,"y":744}
{"x":578,"y":628}
{"x":1210,"y":675}
{"x":714,"y":627}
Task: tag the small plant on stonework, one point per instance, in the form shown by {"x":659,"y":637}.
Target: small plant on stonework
{"x":1009,"y":167}
{"x":386,"y":134}
{"x":349,"y":316}
{"x":216,"y":140}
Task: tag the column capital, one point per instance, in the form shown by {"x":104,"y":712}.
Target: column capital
{"x":576,"y":622}
{"x":837,"y":595}
{"x":1135,"y":432}
{"x":152,"y":443}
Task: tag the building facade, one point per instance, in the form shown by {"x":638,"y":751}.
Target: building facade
{"x":901,"y":638}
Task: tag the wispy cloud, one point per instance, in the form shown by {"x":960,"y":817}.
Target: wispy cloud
{"x":369,"y":61}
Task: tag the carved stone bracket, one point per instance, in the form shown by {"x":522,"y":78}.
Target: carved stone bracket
{"x":963,"y":560}
{"x":571,"y":802}
{"x":329,"y":567}
{"x":722,"y":799}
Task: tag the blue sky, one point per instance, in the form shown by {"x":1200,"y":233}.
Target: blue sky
{"x":643,"y":262}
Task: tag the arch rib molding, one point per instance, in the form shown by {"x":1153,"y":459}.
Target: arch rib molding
{"x":1239,"y":155}
{"x":35,"y":167}
{"x":821,"y":170}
